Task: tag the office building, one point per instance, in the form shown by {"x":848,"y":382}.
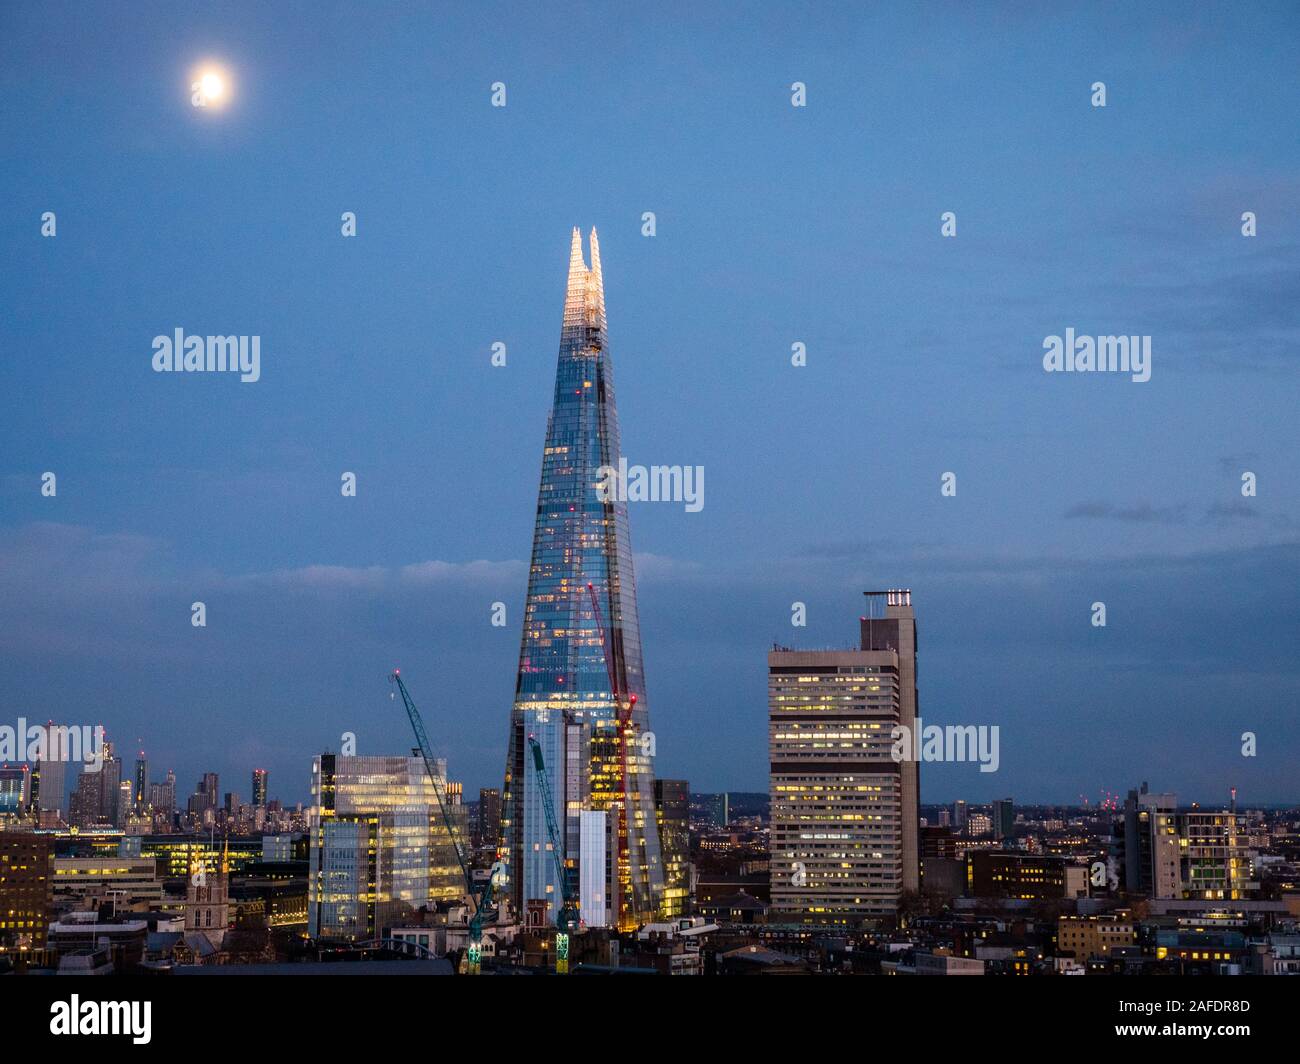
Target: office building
{"x":1087,"y":936}
{"x":489,"y":816}
{"x":124,"y":807}
{"x":125,"y":883}
{"x":1004,"y":819}
{"x":50,"y":779}
{"x":141,"y":791}
{"x":594,"y":847}
{"x":26,"y":891}
{"x":673,"y":812}
{"x":1027,"y":876}
{"x":259,"y":787}
{"x":98,"y":794}
{"x":15,"y":788}
{"x":379,"y":847}
{"x":580,"y":628}
{"x":844,"y":812}
{"x":162,"y":799}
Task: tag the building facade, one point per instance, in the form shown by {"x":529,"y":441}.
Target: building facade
{"x":673,"y":811}
{"x":1087,"y":936}
{"x":1003,"y":874}
{"x":49,"y":782}
{"x":844,"y":812}
{"x":379,"y":846}
{"x":489,"y":816}
{"x":15,"y":788}
{"x":1004,"y":819}
{"x":26,"y":892}
{"x":581,"y":690}
{"x":1192,"y":854}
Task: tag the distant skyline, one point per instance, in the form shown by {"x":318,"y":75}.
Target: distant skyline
{"x":775,"y":225}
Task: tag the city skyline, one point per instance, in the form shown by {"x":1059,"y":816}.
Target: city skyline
{"x":776,"y":226}
{"x":891,"y":572}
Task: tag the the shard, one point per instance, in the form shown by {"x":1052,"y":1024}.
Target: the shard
{"x":600,"y":770}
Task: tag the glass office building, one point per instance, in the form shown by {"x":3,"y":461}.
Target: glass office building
{"x":563,"y":694}
{"x":379,"y":846}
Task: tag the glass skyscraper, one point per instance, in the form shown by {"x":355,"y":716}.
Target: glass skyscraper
{"x":379,"y":846}
{"x":563,"y":695}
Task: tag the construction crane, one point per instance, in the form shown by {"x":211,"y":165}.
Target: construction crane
{"x":623,"y":718}
{"x":567,"y":919}
{"x":480,"y":897}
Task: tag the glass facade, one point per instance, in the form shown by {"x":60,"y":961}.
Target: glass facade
{"x":563,"y":679}
{"x":379,"y":847}
{"x":673,"y":804}
{"x":593,"y":838}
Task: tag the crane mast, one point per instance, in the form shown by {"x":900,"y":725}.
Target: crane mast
{"x":481,"y":897}
{"x":567,"y":916}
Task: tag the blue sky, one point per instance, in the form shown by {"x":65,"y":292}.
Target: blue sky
{"x":775,"y":224}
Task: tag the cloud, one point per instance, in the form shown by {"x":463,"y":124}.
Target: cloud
{"x":1235,"y":464}
{"x":476,"y":571}
{"x":662,"y":567}
{"x":321,"y":577}
{"x":379,"y":577}
{"x":1143,"y":512}
{"x":1232,"y":509}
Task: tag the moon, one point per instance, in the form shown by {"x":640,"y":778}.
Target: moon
{"x":211,"y":86}
{"x":214,"y":85}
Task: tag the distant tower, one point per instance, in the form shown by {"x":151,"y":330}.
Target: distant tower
{"x":489,"y":815}
{"x":49,"y":777}
{"x":259,"y":786}
{"x":207,"y":898}
{"x":141,"y":781}
{"x":1004,"y":819}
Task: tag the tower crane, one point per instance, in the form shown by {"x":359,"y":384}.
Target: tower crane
{"x":567,"y":918}
{"x":480,"y":897}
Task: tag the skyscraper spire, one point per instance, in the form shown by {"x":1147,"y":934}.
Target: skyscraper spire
{"x":575,"y":294}
{"x":595,"y":284}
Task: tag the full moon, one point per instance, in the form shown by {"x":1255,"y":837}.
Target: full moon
{"x":210,"y":84}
